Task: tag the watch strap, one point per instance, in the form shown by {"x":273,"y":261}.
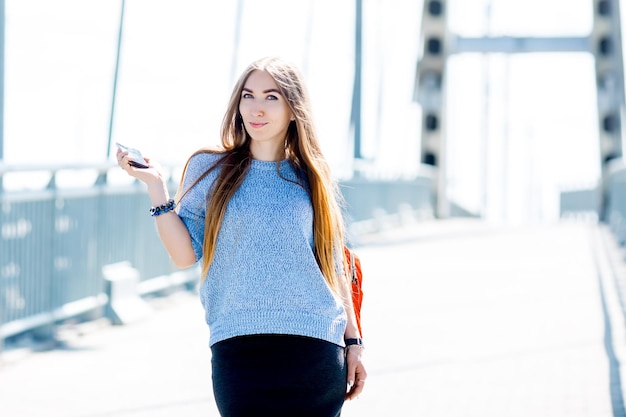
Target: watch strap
{"x":354,"y":341}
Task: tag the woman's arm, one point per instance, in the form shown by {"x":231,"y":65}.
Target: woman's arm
{"x":171,"y":229}
{"x":354,"y":353}
{"x":352,"y":331}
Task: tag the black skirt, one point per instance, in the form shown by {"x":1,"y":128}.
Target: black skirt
{"x":278,"y":375}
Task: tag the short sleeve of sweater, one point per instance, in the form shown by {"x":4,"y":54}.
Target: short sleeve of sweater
{"x":192,"y":207}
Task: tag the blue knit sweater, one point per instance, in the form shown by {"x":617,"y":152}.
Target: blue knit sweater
{"x":264,"y":278}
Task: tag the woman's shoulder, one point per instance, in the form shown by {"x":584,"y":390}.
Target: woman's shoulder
{"x":200,"y":165}
{"x":203,"y":159}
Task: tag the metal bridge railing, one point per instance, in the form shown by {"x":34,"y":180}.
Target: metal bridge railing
{"x":54,"y":244}
{"x":615,"y":203}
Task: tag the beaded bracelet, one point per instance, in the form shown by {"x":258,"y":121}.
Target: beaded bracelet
{"x":163,"y":208}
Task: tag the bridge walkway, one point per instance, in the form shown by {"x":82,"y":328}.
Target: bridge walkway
{"x":461,"y":318}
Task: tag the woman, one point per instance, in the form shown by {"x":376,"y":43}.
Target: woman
{"x":262,"y":214}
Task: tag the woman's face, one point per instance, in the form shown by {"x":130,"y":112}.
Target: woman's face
{"x":265,"y":112}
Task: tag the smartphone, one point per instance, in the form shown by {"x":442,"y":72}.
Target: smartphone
{"x":136,"y":158}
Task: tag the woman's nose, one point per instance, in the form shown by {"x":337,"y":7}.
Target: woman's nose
{"x":257,"y":109}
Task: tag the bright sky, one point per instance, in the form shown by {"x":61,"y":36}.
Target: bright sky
{"x":177,"y":68}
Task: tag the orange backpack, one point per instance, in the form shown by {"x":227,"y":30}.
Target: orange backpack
{"x":353,"y":271}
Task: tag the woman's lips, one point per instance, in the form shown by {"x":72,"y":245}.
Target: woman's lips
{"x":256,"y":125}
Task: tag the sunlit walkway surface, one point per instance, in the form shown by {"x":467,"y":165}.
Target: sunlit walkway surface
{"x":460,"y":319}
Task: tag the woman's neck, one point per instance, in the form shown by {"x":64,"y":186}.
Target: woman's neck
{"x":267,"y":151}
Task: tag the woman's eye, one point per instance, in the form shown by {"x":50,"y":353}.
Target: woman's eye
{"x":272,"y":97}
{"x":246,"y":95}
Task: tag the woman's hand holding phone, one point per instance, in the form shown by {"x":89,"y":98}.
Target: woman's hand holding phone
{"x":137,"y":166}
{"x":136,"y":158}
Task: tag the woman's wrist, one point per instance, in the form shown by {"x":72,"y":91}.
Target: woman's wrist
{"x":163,"y":208}
{"x":354,"y":342}
{"x":158,"y":193}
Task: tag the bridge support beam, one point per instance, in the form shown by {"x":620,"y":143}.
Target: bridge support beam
{"x":438,"y":43}
{"x":429,"y":93}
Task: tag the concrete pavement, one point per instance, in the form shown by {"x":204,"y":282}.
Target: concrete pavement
{"x":460,"y":319}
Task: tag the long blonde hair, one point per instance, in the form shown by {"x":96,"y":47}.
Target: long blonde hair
{"x":303,"y":151}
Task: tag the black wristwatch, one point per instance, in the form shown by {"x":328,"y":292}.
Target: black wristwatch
{"x":356,"y":341}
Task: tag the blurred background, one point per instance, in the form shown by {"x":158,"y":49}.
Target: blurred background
{"x":478,"y":144}
{"x":502,"y":110}
{"x":519,"y":127}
